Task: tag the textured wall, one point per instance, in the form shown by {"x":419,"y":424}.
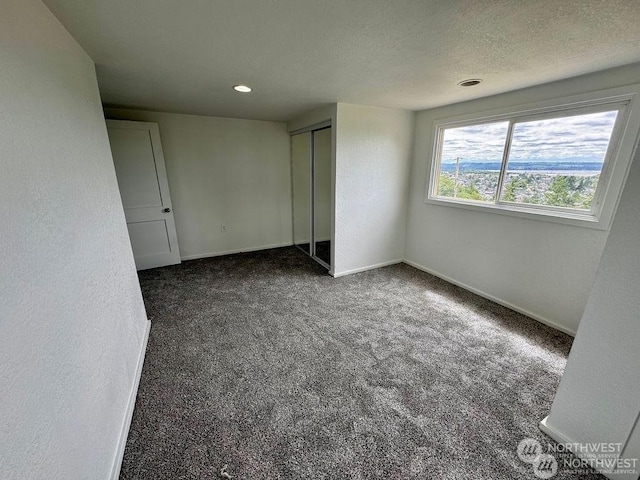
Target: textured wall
{"x":72,"y":321}
{"x":544,"y":269}
{"x":224,"y":171}
{"x":599,"y":397}
{"x":373,"y":156}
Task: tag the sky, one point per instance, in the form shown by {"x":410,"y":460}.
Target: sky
{"x":580,"y":138}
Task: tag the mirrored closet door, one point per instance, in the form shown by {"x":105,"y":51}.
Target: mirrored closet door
{"x":322,"y":194}
{"x":301,"y":190}
{"x":311,"y":190}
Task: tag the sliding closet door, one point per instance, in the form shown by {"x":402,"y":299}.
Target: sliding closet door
{"x":301,"y":190}
{"x":322,"y":194}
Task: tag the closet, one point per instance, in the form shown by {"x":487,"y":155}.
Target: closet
{"x":311,"y":192}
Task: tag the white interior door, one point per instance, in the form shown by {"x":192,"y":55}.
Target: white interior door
{"x":142,"y":178}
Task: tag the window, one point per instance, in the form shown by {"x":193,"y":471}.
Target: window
{"x":559,"y":160}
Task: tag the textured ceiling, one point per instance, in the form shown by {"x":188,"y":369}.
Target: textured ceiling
{"x":184,"y":56}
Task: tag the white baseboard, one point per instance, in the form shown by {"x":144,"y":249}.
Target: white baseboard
{"x":237,"y":250}
{"x":562,"y":438}
{"x":364,"y":269}
{"x":552,"y":432}
{"x":499,"y":301}
{"x":124,"y":433}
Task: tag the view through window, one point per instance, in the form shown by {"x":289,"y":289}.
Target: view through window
{"x":552,"y":161}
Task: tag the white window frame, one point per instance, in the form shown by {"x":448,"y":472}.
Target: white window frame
{"x":616,"y":164}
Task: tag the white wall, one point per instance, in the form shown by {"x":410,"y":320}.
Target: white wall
{"x":373,"y":157}
{"x":224,"y":171}
{"x":72,"y":320}
{"x":599,"y":396}
{"x":541,"y":268}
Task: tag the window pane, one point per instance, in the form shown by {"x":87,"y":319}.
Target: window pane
{"x":470,"y":161}
{"x":558,"y":161}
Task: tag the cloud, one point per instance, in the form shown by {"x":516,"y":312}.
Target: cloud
{"x":475,"y":143}
{"x":579,"y":138}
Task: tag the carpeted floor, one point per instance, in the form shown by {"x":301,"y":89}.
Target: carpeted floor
{"x":263,"y":362}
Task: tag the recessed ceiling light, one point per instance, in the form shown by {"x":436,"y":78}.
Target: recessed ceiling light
{"x":242,"y":88}
{"x":470,"y":83}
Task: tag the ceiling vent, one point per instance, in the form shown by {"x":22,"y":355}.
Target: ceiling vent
{"x":470,"y":83}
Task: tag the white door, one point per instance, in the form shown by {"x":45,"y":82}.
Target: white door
{"x":142,"y":178}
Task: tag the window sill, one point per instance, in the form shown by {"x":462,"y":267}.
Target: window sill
{"x":584,"y":220}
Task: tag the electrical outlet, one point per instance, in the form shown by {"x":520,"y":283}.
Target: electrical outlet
{"x":223,"y":228}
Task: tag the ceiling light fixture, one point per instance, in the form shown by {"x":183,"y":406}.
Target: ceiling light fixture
{"x":470,"y":83}
{"x":242,"y":88}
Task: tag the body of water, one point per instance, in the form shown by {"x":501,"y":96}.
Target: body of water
{"x":564,"y":168}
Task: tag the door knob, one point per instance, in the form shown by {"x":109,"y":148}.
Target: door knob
{"x":166,"y":210}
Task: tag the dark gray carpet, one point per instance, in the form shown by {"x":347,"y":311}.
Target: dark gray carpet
{"x":263,"y":362}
